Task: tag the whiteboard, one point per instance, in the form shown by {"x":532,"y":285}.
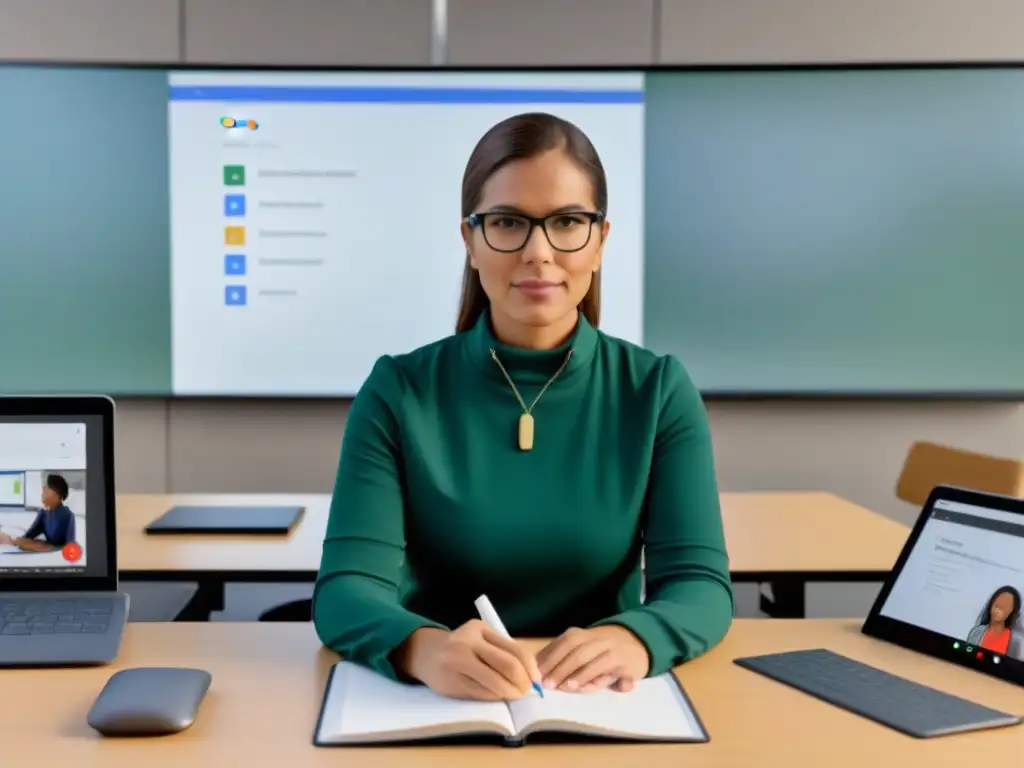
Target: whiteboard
{"x":12,"y":489}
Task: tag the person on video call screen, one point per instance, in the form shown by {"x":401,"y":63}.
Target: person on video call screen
{"x":55,"y":522}
{"x":998,"y":627}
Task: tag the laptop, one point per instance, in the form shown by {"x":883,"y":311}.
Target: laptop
{"x":956,"y":590}
{"x":59,"y":599}
{"x":955,"y":594}
{"x":256,"y":521}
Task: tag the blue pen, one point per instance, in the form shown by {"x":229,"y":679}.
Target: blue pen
{"x":490,"y":617}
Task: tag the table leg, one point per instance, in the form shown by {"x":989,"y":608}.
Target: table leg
{"x":209,"y":597}
{"x":788,"y":600}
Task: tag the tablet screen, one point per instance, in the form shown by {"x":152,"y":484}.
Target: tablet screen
{"x":956,"y":591}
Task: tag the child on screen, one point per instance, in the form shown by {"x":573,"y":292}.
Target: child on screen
{"x":55,"y":522}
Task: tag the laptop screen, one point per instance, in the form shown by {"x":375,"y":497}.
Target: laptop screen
{"x":52,"y":497}
{"x":964,"y":580}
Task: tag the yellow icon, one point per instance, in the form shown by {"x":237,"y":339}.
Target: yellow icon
{"x":234,"y":235}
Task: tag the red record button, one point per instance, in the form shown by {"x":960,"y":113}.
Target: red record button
{"x":72,"y":552}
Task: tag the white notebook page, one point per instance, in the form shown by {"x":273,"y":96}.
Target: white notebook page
{"x":655,"y":708}
{"x":363,"y":702}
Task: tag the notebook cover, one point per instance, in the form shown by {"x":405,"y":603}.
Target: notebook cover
{"x":554,"y":737}
{"x":438,"y":741}
{"x":568,"y":737}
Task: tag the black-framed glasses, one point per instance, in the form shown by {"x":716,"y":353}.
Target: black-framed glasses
{"x":509,"y":232}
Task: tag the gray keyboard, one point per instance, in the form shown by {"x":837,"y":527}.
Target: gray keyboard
{"x":902,"y":704}
{"x":55,"y":616}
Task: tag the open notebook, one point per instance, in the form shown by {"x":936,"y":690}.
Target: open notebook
{"x":361,"y":707}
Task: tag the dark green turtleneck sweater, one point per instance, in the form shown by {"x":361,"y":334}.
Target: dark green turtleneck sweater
{"x":435,"y":504}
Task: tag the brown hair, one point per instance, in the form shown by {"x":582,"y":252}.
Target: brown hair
{"x":518,"y":138}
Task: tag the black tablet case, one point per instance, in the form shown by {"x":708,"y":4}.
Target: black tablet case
{"x":259,"y":520}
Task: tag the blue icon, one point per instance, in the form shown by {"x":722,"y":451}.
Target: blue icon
{"x":234,"y":205}
{"x":234,"y":264}
{"x":234,"y":296}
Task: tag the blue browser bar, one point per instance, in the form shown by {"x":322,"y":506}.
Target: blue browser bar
{"x":402,"y":94}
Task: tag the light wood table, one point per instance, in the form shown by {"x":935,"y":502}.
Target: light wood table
{"x":268,"y":680}
{"x":784,"y":539}
{"x":790,"y":539}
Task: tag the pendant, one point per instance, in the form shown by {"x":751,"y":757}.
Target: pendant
{"x":526,"y":432}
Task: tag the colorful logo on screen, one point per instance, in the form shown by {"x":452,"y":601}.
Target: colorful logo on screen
{"x":234,"y":122}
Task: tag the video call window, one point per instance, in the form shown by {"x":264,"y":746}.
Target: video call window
{"x":42,"y":496}
{"x":964,"y":580}
{"x":998,"y":628}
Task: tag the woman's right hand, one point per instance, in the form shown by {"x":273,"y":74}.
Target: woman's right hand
{"x":471,"y":662}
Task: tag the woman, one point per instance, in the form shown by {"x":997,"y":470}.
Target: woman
{"x":528,"y":457}
{"x":997,"y":628}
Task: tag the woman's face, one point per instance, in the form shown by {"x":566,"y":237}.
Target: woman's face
{"x":1002,"y":606}
{"x":536,"y":286}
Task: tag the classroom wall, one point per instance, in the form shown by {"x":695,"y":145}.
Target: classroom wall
{"x":854,"y":449}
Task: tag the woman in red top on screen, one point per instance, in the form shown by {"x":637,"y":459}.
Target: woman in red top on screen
{"x":998,"y":629}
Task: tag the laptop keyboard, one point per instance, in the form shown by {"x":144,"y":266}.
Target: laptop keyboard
{"x":55,"y":616}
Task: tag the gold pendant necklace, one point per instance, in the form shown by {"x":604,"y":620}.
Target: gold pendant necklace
{"x":526,"y":420}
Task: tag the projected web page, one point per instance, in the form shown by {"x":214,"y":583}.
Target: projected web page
{"x":964,"y":580}
{"x":315,"y":217}
{"x":42,"y":496}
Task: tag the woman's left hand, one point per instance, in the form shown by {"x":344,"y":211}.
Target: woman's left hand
{"x":583,"y":660}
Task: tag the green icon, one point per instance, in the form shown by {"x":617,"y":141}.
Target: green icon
{"x":234,"y":175}
{"x":956,"y":646}
{"x":17,"y":486}
{"x":970,"y":648}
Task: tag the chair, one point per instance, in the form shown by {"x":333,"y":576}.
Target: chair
{"x":157,"y":601}
{"x":296,"y":610}
{"x":930,"y":464}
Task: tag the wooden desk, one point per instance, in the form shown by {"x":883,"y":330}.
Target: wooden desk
{"x":784,"y":539}
{"x":268,"y":680}
{"x":788,"y":540}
